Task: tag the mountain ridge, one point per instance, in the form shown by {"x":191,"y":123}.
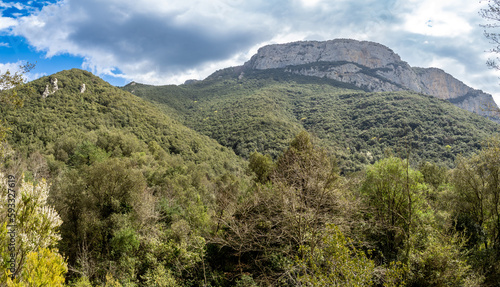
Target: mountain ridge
{"x":371,"y":66}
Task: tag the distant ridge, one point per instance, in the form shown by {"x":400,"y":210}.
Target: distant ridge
{"x":371,"y":66}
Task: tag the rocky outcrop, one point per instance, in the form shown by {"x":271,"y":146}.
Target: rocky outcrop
{"x":368,"y":54}
{"x":370,"y":66}
{"x":438,"y":83}
{"x":47,"y":91}
{"x":190,"y":81}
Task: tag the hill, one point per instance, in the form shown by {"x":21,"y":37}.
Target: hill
{"x":371,"y":66}
{"x":262,"y":110}
{"x":123,"y":176}
{"x":62,"y":110}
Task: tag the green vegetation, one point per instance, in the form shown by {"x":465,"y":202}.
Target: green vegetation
{"x":263,"y":110}
{"x":341,"y":187}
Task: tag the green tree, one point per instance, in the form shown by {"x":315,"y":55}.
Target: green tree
{"x":9,"y":84}
{"x":45,"y":267}
{"x":99,"y":204}
{"x":261,"y":165}
{"x":395,"y":192}
{"x":32,"y":234}
{"x":336,"y":263}
{"x":477,"y":182}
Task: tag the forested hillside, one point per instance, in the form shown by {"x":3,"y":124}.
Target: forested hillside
{"x":263,"y":110}
{"x":261,"y":179}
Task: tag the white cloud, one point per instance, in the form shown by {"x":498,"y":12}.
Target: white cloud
{"x":439,"y":18}
{"x":169,"y":41}
{"x":7,"y":22}
{"x":12,"y":67}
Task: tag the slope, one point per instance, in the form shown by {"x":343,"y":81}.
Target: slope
{"x":75,"y":104}
{"x":262,"y":110}
{"x":372,"y":66}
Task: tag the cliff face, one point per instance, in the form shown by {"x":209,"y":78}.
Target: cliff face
{"x":368,"y":54}
{"x":368,"y":65}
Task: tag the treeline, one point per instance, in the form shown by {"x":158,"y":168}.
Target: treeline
{"x":134,"y":220}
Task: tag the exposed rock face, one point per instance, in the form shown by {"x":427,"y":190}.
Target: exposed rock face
{"x":47,"y":92}
{"x":54,"y":85}
{"x":82,"y":89}
{"x":368,"y":65}
{"x":436,"y":82}
{"x":368,"y":54}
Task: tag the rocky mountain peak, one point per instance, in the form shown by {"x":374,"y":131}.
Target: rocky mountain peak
{"x":368,"y":65}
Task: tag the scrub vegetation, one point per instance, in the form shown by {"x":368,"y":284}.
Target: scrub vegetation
{"x":268,"y":179}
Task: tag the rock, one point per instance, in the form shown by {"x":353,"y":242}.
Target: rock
{"x":191,"y":81}
{"x":371,"y":66}
{"x":47,"y":92}
{"x":54,"y":85}
{"x":82,"y":89}
{"x":365,"y":53}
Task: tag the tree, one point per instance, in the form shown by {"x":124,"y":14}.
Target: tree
{"x":28,"y":235}
{"x":337,"y":263}
{"x":394,"y":190}
{"x":8,"y":92}
{"x":477,"y":183}
{"x":99,"y":204}
{"x":293,"y":201}
{"x":492,"y":13}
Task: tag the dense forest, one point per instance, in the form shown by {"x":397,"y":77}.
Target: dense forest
{"x":262,"y":180}
{"x":263,"y":110}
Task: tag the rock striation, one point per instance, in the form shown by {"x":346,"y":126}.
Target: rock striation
{"x":371,"y":66}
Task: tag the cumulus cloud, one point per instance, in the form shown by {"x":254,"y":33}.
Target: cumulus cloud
{"x":6,"y":22}
{"x":157,"y":38}
{"x":157,"y":41}
{"x":160,"y":42}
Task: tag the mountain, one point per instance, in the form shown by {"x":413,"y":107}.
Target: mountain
{"x":370,"y":66}
{"x":151,"y":186}
{"x":262,"y":109}
{"x":65,"y":109}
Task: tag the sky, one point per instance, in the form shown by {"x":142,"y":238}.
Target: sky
{"x":169,"y":41}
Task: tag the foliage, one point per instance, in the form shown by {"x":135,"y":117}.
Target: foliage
{"x":31,"y":235}
{"x":262,"y":111}
{"x":441,"y":263}
{"x":122,"y":122}
{"x":9,"y":98}
{"x":290,"y":210}
{"x":477,"y":181}
{"x":261,"y":165}
{"x":43,"y":268}
{"x":395,"y":191}
{"x":477,"y":203}
{"x":335,"y":263}
{"x":147,"y":201}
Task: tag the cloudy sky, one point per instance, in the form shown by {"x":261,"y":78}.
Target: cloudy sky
{"x":169,"y":41}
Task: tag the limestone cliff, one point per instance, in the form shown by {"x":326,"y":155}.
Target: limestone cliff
{"x":371,"y":66}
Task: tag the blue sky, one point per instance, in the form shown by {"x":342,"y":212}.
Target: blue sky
{"x":170,"y":41}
